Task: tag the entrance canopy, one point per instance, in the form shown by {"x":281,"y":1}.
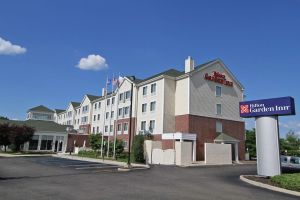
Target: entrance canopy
{"x":179,"y":136}
{"x":224,"y":138}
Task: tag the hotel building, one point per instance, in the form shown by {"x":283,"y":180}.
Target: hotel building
{"x":201,"y":100}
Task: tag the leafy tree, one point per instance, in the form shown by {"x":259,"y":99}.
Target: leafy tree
{"x":138,"y":148}
{"x":20,"y":134}
{"x":119,"y":147}
{"x":251,"y":142}
{"x":5,"y":118}
{"x":291,"y":144}
{"x":95,"y":141}
{"x":5,"y":135}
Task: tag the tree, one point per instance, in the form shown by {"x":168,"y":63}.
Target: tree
{"x":5,"y":135}
{"x":95,"y":141}
{"x":291,"y":144}
{"x":20,"y":134}
{"x":119,"y":147}
{"x":138,"y":148}
{"x":2,"y":117}
{"x":251,"y":142}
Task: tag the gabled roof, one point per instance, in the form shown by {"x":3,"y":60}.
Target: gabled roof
{"x":75,"y":104}
{"x":58,"y":111}
{"x":39,"y":125}
{"x":222,"y":137}
{"x":40,"y":108}
{"x":92,"y":97}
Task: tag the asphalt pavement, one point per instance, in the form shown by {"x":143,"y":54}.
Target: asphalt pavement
{"x":41,"y":178}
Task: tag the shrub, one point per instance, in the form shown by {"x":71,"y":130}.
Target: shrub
{"x":138,"y":148}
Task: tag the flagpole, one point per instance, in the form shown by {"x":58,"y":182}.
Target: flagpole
{"x":112,"y":88}
{"x":116,"y":124}
{"x":103,"y":129}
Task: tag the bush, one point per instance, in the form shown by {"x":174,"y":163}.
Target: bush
{"x":287,"y":181}
{"x":95,"y":141}
{"x":138,"y":148}
{"x":88,"y":153}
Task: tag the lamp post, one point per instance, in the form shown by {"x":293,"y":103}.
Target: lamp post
{"x":130,"y":128}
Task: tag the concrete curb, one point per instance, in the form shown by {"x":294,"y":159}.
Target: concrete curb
{"x":22,"y":155}
{"x":269,"y":187}
{"x":111,"y":162}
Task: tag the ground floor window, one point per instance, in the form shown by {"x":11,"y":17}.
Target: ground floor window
{"x":58,"y":143}
{"x":34,"y":142}
{"x":46,"y":142}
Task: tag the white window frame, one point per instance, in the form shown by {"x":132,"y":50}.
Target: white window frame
{"x":153,"y":92}
{"x":144,"y":104}
{"x":217,"y":109}
{"x":152,"y":103}
{"x":144,"y":90}
{"x":217,"y":86}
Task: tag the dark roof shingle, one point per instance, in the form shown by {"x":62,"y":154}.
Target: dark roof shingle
{"x":41,"y":108}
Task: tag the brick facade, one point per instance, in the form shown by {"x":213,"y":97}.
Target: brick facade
{"x":205,"y":128}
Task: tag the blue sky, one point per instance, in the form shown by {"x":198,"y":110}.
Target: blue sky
{"x":258,"y":40}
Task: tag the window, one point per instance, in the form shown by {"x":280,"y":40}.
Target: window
{"x":127,"y":95}
{"x":144,"y":107}
{"x":95,"y":106}
{"x":98,"y":117}
{"x":93,"y":129}
{"x":295,"y":160}
{"x":121,"y":97}
{"x":125,"y":127}
{"x":218,"y":91}
{"x":46,"y":142}
{"x":152,"y":125}
{"x":85,"y":109}
{"x":78,"y":111}
{"x":126,"y":110}
{"x":106,"y":115}
{"x":119,"y":127}
{"x":125,"y":144}
{"x":33,"y":142}
{"x":219,"y":109}
{"x":113,"y":101}
{"x":112,"y":114}
{"x":143,"y":125}
{"x":84,"y":119}
{"x":152,"y":106}
{"x":97,"y":129}
{"x":78,"y":121}
{"x":120,"y":111}
{"x":106,"y":129}
{"x":144,"y":90}
{"x":219,"y":128}
{"x":111,"y":128}
{"x":108,"y":102}
{"x":153,"y":88}
{"x":94,"y":117}
{"x":99,"y":105}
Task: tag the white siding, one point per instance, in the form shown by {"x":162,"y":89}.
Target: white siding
{"x":203,"y":99}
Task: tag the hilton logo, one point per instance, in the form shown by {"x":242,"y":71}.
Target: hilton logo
{"x":244,"y":108}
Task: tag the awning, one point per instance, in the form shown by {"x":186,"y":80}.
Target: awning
{"x":222,"y":137}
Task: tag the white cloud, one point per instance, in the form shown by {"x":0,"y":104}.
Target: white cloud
{"x":7,"y":48}
{"x":92,"y":62}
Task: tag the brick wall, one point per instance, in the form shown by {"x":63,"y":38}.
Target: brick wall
{"x":205,"y":128}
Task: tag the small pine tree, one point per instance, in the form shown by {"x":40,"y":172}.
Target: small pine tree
{"x":138,"y":149}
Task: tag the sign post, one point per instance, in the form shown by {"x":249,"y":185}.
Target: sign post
{"x":266,"y":112}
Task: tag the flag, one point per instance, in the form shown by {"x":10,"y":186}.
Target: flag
{"x":115,"y":82}
{"x":108,"y":81}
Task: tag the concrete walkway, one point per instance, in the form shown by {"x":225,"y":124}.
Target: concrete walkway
{"x":111,"y":162}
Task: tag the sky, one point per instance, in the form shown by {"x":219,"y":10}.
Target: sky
{"x":54,"y":52}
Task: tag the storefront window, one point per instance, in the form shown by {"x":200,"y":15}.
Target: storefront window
{"x":46,"y":143}
{"x":33,"y":143}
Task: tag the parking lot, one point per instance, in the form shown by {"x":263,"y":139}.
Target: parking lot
{"x":74,"y":164}
{"x":47,"y":178}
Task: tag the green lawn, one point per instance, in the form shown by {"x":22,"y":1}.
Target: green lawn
{"x":287,"y":181}
{"x":93,"y":154}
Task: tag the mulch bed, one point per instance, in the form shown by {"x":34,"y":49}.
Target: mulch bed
{"x":265,"y":180}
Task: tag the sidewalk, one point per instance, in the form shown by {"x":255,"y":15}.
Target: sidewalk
{"x":111,"y":162}
{"x":8,"y":155}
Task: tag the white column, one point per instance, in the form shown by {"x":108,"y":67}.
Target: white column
{"x":267,"y":146}
{"x":194,"y":151}
{"x":236,"y":151}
